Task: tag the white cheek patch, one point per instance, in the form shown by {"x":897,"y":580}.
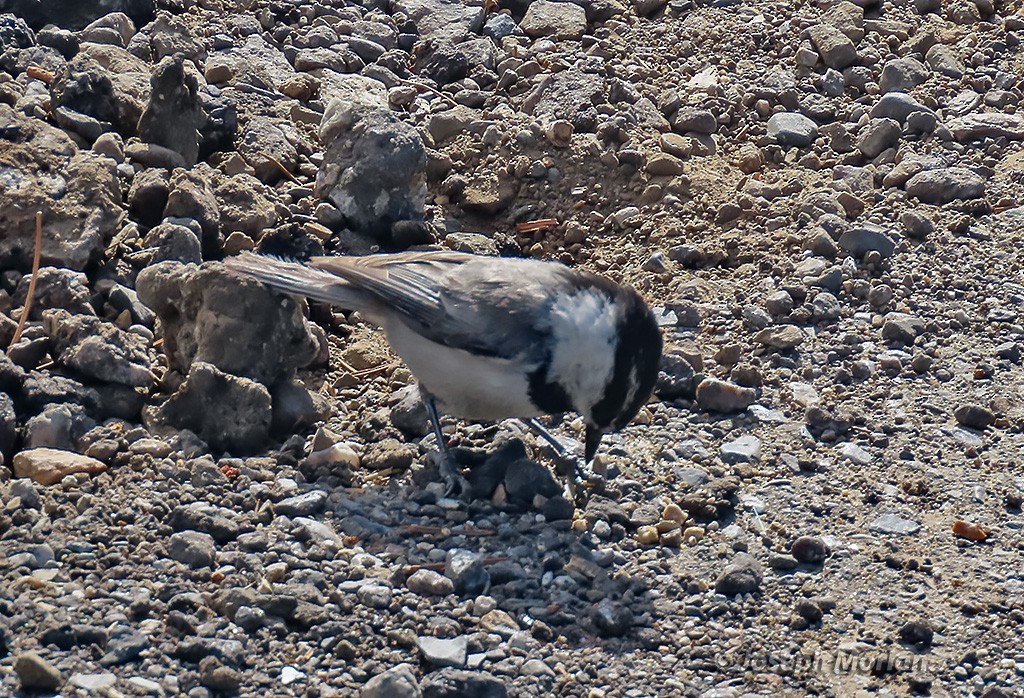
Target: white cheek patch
{"x":584,"y":333}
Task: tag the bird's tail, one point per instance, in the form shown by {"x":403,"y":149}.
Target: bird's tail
{"x":298,"y":279}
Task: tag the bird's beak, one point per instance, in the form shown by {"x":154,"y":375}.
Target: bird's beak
{"x":593,"y":440}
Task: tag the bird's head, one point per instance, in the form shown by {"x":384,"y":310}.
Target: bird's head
{"x":631,"y":381}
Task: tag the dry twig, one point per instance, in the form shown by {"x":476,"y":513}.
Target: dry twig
{"x":31,"y":282}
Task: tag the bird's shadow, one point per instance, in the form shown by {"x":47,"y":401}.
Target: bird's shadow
{"x":557,"y":581}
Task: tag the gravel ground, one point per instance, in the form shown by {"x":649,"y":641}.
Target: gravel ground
{"x":207,"y":489}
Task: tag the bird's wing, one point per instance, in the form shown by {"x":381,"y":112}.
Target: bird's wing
{"x":487,"y":305}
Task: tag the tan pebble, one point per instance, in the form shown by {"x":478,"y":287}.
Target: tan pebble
{"x":693,"y":535}
{"x":647,"y":535}
{"x":673,"y":512}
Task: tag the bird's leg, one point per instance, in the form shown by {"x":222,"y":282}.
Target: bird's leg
{"x":455,"y":482}
{"x":580,"y":473}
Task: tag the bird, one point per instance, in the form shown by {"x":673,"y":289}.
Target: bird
{"x":493,"y":338}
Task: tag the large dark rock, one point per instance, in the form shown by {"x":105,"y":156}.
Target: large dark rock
{"x":14,"y":33}
{"x":77,"y":191}
{"x":84,"y":86}
{"x":174,"y":114}
{"x":228,"y":412}
{"x":374,"y":167}
{"x":237,"y":324}
{"x":98,"y":350}
{"x":191,"y":196}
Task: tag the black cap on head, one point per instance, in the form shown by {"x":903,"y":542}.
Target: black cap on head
{"x":637,"y":355}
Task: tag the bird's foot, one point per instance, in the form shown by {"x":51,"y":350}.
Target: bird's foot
{"x":456,"y":485}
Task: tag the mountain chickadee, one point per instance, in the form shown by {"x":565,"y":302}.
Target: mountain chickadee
{"x":491,"y":338}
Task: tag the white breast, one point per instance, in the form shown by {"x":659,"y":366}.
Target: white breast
{"x":466,"y":385}
{"x":583,"y":327}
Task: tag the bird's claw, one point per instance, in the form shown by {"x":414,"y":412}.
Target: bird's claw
{"x":579,"y":477}
{"x":456,"y":485}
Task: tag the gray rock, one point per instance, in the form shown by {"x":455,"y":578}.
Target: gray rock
{"x":15,"y":34}
{"x":35,"y":673}
{"x":305,"y":504}
{"x":221,"y":523}
{"x":83,"y":87}
{"x":374,"y":167}
{"x":742,"y":576}
{"x":191,"y":196}
{"x":295,"y":408}
{"x":375,"y":595}
{"x":943,"y":60}
{"x":855,"y":454}
{"x":171,"y":242}
{"x":467,"y":572}
{"x":93,"y":683}
{"x":410,"y":413}
{"x":121,"y":298}
{"x":779,"y":302}
{"x":449,"y":20}
{"x":148,"y":195}
{"x":716,"y":395}
{"x":71,"y":14}
{"x":695,"y":120}
{"x":77,"y":191}
{"x":228,"y":412}
{"x":783,"y":337}
{"x":792,"y":129}
{"x":902,"y":75}
{"x":867,"y":238}
{"x":98,"y":349}
{"x":124,"y":646}
{"x":898,"y":106}
{"x":611,"y":618}
{"x":825,"y":306}
{"x":744,"y":449}
{"x":559,"y":20}
{"x":8,"y":425}
{"x":174,"y":113}
{"x":237,"y":324}
{"x":676,"y":378}
{"x":169,"y":35}
{"x":879,"y":135}
{"x":56,"y":288}
{"x":192,"y":548}
{"x":58,"y":426}
{"x":571,"y":95}
{"x":429,"y":583}
{"x":835,"y":48}
{"x":946,"y":185}
{"x":498,"y":26}
{"x":396,"y":682}
{"x":974,"y":416}
{"x":987,"y":125}
{"x":893,"y":524}
{"x":809,"y":550}
{"x":457,"y":683}
{"x":443,"y":652}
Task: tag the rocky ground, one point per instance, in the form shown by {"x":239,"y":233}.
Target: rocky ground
{"x":209,"y":489}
